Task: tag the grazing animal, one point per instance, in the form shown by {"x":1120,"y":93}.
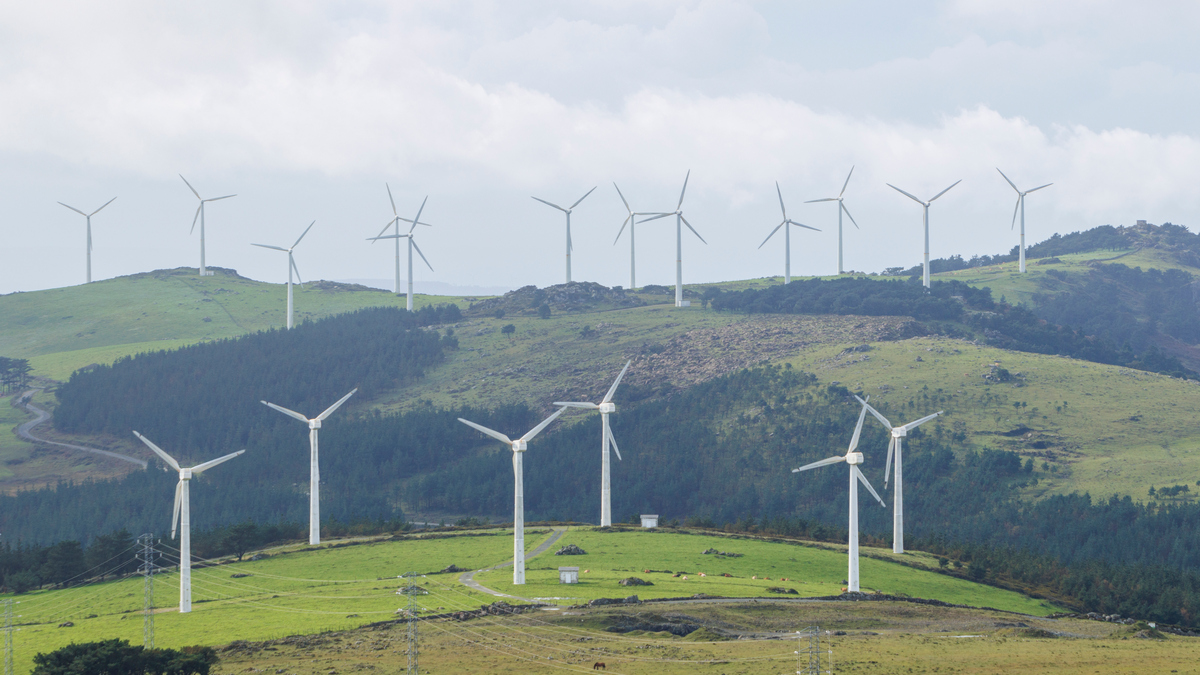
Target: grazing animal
{"x":600,"y":666}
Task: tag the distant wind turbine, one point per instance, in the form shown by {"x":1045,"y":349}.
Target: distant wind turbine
{"x":895,"y":449}
{"x":1021,"y":207}
{"x":854,"y":459}
{"x":787,"y":237}
{"x":200,"y":215}
{"x":89,"y":233}
{"x":314,"y":467}
{"x":518,"y":448}
{"x":606,"y":408}
{"x":629,"y":220}
{"x":183,"y":516}
{"x":925,"y":205}
{"x":412,"y":243}
{"x":841,"y":208}
{"x":678,"y":213}
{"x":291,"y":266}
{"x":567,"y":211}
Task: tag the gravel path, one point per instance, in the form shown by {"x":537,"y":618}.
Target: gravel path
{"x":468,"y":578}
{"x":24,"y":429}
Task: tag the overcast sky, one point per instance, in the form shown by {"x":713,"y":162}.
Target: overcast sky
{"x":306,"y":109}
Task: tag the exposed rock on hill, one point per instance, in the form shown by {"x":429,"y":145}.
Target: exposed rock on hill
{"x":573,"y":297}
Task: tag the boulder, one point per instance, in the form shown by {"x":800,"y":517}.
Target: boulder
{"x":453,"y":569}
{"x":634,"y":581}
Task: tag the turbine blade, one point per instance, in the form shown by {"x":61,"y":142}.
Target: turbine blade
{"x":913,"y":425}
{"x":613,"y":389}
{"x":823,"y":462}
{"x":764,"y":242}
{"x":583,"y":197}
{"x":850,"y":216}
{"x":385,"y":229}
{"x":304,"y":233}
{"x":277,"y":248}
{"x":611,"y":440}
{"x":623,"y":199}
{"x":1039,"y":188}
{"x":199,"y":468}
{"x":887,"y":471}
{"x":545,"y":423}
{"x":827,"y":199}
{"x":906,"y":194}
{"x":285,"y":411}
{"x":570,"y":246}
{"x":494,"y":434}
{"x":185,"y":182}
{"x":846,"y":183}
{"x":102,"y":207}
{"x":335,"y":406}
{"x":75,"y":210}
{"x":217,"y":199}
{"x":944,"y":191}
{"x":684,"y":190}
{"x":643,"y":220}
{"x":416,"y":220}
{"x":389,"y":236}
{"x":159,"y":451}
{"x":867,"y":484}
{"x":622,"y":230}
{"x":196,"y":218}
{"x":862,"y":417}
{"x":418,"y":249}
{"x":875,"y":412}
{"x":393,"y":201}
{"x":1014,"y":185}
{"x":689,"y":226}
{"x":814,"y":229}
{"x":178,"y":505}
{"x":292,"y":260}
{"x":781,"y":206}
{"x":577,"y":404}
{"x":1016,"y":207}
{"x":551,"y":204}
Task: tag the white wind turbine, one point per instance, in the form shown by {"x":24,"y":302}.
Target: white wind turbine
{"x":841,"y":208}
{"x":89,"y":233}
{"x":200,"y":215}
{"x":606,"y":408}
{"x":518,"y":447}
{"x":182,"y":516}
{"x":925,"y":205}
{"x":412,"y":243}
{"x":629,"y":220}
{"x":568,"y":212}
{"x":895,"y":447}
{"x":678,"y":213}
{"x":291,"y":266}
{"x":854,"y":459}
{"x":314,"y":468}
{"x":1021,"y":207}
{"x":787,"y":237}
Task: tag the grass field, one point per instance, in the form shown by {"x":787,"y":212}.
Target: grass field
{"x":298,"y":591}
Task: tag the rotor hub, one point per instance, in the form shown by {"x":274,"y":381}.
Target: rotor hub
{"x":854,"y":458}
{"x":314,"y":424}
{"x":608,"y":408}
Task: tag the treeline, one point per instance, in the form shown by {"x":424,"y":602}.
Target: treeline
{"x":959,"y":310}
{"x":14,"y":373}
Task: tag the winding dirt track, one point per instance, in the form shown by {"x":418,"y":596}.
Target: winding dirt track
{"x":23,"y":431}
{"x":468,"y":578}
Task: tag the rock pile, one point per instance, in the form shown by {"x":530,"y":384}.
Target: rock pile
{"x":573,"y":297}
{"x":570,"y":549}
{"x":723,"y":554}
{"x":634,"y":581}
{"x":453,"y":569}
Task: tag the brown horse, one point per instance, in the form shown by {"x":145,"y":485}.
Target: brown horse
{"x":600,"y":666}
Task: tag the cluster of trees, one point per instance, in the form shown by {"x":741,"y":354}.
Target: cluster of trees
{"x":118,"y":657}
{"x":14,"y":373}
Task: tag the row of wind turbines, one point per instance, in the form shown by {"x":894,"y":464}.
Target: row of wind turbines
{"x":631,"y":220}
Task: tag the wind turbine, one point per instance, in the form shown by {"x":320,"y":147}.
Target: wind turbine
{"x":841,"y":208}
{"x":314,"y":468}
{"x":606,"y":408}
{"x":854,"y":459}
{"x":89,"y":233}
{"x":182,"y":516}
{"x":925,"y":205}
{"x":629,"y":220}
{"x":412,"y":243}
{"x":678,"y":213}
{"x":200,"y":215}
{"x":568,"y":212}
{"x":291,"y":266}
{"x":519,"y":447}
{"x":895,"y":446}
{"x":1021,"y":207}
{"x":787,"y":237}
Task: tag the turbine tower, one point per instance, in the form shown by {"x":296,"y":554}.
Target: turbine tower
{"x":291,"y":266}
{"x":628,"y":221}
{"x":925,"y":205}
{"x":314,"y":467}
{"x":518,"y":447}
{"x":606,"y":408}
{"x":567,"y":211}
{"x":895,"y":446}
{"x":412,"y":243}
{"x":182,"y":516}
{"x":200,"y":215}
{"x":854,"y":459}
{"x":787,"y":237}
{"x":1021,"y":207}
{"x":678,"y":213}
{"x":841,"y":208}
{"x":89,"y":233}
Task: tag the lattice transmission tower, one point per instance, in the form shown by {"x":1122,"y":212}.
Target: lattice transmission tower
{"x":809,"y":656}
{"x":146,"y":557}
{"x":412,"y":590}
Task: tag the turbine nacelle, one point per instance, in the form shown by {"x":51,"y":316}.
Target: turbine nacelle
{"x":607,"y":408}
{"x":854,"y":458}
{"x":520,"y":445}
{"x":314,"y":424}
{"x":185,"y":474}
{"x":899,"y":432}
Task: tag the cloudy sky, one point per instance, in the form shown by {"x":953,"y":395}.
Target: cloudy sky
{"x":307,"y":109}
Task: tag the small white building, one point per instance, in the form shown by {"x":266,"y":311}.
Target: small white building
{"x":568,"y":575}
{"x":649,"y":520}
